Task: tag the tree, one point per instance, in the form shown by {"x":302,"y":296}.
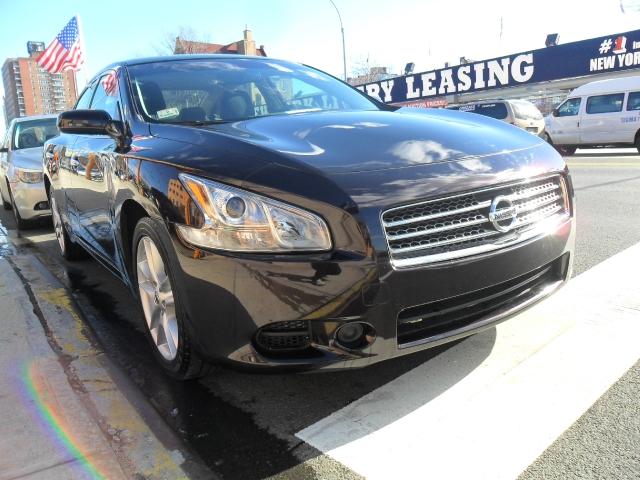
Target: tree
{"x":186,"y":39}
{"x":365,"y":71}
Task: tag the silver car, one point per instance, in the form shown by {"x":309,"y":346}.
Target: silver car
{"x":21,"y":181}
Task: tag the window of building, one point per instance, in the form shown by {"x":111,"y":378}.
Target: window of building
{"x":569,"y":108}
{"x":633,"y":102}
{"x":605,"y":103}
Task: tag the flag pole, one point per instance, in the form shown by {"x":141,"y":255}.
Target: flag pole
{"x":83,"y":45}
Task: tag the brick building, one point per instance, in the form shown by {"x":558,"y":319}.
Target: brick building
{"x":246,"y":46}
{"x":30,"y":90}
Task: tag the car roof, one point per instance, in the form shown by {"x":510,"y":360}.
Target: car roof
{"x":172,"y":58}
{"x":608,"y":86}
{"x":35,"y":117}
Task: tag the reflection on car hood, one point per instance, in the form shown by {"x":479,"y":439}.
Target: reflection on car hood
{"x":343,"y":142}
{"x":28,"y":158}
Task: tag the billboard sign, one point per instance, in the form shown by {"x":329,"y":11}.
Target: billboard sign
{"x":576,"y":59}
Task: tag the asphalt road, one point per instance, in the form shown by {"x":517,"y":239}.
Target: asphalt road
{"x":605,"y":442}
{"x":243,"y":425}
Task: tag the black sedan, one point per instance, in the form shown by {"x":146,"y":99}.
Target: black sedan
{"x":269,"y":215}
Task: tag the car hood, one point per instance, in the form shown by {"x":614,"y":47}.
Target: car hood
{"x":399,"y":156}
{"x":28,"y":158}
{"x":347,"y":142}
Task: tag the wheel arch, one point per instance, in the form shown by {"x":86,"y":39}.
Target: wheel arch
{"x":130,"y":214}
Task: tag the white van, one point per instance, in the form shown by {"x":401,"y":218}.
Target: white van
{"x":605,"y":113}
{"x":520,"y":113}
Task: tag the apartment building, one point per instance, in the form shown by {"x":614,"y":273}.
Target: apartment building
{"x":30,"y":90}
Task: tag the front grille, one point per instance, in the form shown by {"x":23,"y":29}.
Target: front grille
{"x":462,"y":225}
{"x":422,"y":322}
{"x":283,"y":337}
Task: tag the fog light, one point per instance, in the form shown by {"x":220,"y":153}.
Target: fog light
{"x":351,"y":335}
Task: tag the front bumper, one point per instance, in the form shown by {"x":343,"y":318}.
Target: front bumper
{"x":229,"y":298}
{"x":31,"y":199}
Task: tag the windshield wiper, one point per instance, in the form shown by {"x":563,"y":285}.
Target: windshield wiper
{"x":197,"y":123}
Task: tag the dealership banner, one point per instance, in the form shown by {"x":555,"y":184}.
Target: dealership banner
{"x":576,"y":59}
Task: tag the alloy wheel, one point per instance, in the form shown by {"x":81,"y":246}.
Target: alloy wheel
{"x":156,"y":296}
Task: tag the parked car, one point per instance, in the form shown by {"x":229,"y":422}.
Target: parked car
{"x":268,"y":231}
{"x":605,"y":113}
{"x":21,"y":180}
{"x":520,"y":113}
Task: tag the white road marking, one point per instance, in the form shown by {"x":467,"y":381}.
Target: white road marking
{"x":607,"y":151}
{"x":488,"y":407}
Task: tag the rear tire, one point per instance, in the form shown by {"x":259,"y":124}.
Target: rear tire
{"x":638,"y":141}
{"x":69,"y":249}
{"x":154,"y":267}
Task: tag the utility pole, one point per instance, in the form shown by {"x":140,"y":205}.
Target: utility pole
{"x":344,"y":53}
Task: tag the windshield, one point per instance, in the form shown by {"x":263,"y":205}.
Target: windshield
{"x":495,"y":110}
{"x":223,"y":90}
{"x":526,"y":110}
{"x":33,"y":133}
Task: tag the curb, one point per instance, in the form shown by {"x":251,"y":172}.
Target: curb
{"x":141,"y":445}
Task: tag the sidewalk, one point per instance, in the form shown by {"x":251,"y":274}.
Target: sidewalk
{"x":63,"y":416}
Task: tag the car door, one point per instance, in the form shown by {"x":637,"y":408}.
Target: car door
{"x":563,"y":127}
{"x":600,"y":123}
{"x":630,"y":121}
{"x":93,"y":187}
{"x":62,"y":165}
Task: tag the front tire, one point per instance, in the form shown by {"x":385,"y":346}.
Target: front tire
{"x":21,"y":224}
{"x":5,"y":204}
{"x":154,"y":269}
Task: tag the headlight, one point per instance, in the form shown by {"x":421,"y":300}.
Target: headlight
{"x":28,"y":176}
{"x":240,"y":221}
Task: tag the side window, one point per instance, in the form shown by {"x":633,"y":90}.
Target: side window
{"x":569,"y":108}
{"x":85,"y":99}
{"x":605,"y":103}
{"x":633,"y":103}
{"x":107,"y":96}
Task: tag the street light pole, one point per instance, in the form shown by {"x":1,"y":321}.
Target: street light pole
{"x":344,"y":54}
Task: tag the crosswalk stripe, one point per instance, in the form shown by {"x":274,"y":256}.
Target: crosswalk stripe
{"x":490,"y":405}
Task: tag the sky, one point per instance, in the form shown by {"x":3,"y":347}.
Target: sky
{"x":383,"y":32}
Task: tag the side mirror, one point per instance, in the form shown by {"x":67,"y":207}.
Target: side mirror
{"x":554,"y":112}
{"x":91,"y":122}
{"x":4,"y":149}
{"x":84,"y":122}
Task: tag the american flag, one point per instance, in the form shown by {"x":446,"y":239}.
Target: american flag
{"x":65,"y":51}
{"x":110,"y":83}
